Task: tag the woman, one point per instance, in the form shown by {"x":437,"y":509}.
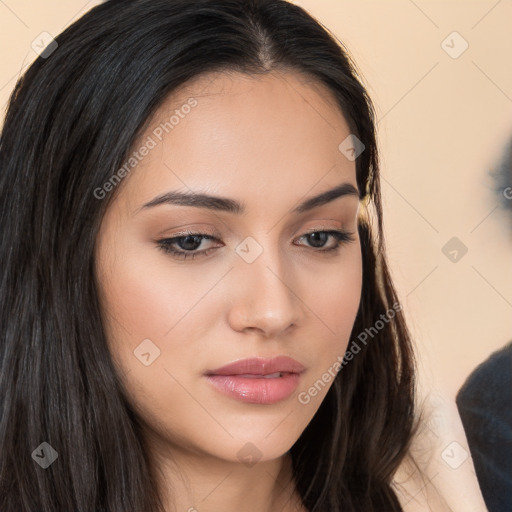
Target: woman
{"x":197,"y":313}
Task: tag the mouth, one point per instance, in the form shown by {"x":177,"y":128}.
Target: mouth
{"x":256,"y":376}
{"x":257,"y":380}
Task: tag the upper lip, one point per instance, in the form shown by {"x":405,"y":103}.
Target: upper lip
{"x":259,"y":366}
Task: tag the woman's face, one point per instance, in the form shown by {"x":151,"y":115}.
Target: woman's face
{"x":254,"y":286}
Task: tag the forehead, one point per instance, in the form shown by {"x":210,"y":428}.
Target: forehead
{"x":223,"y":132}
{"x":288,"y":103}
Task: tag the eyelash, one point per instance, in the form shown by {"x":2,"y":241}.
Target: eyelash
{"x":342,"y":237}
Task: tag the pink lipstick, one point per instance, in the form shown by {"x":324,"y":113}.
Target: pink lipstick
{"x":258,"y":380}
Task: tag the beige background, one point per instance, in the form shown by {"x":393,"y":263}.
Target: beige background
{"x":442,"y":125}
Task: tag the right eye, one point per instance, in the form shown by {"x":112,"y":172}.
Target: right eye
{"x":185,"y":246}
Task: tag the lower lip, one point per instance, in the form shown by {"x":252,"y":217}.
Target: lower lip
{"x":256,"y":390}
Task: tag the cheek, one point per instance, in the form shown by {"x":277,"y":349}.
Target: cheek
{"x":157,"y":307}
{"x":335,"y":291}
{"x":334,"y":297}
{"x":149,"y":309}
{"x":147,"y":295}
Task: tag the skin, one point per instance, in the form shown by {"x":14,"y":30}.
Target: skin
{"x":270,"y":142}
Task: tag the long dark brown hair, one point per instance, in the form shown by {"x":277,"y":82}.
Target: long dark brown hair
{"x":71,"y":122}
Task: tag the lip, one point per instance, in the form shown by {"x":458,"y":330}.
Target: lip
{"x":259,"y":366}
{"x":257,"y":380}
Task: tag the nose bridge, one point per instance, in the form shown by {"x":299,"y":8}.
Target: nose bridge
{"x":265,"y":296}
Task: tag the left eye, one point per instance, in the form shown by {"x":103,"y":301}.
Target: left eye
{"x":189,"y":243}
{"x":318,"y":238}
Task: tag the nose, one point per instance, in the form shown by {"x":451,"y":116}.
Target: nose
{"x":264,"y":299}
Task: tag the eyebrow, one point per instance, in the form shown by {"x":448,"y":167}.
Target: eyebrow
{"x":200,"y":200}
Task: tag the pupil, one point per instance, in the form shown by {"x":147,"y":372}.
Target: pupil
{"x":318,"y":237}
{"x":190,"y":242}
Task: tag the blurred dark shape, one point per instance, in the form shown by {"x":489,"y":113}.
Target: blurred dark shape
{"x":485,"y":399}
{"x":502,"y":178}
{"x":485,"y":406}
